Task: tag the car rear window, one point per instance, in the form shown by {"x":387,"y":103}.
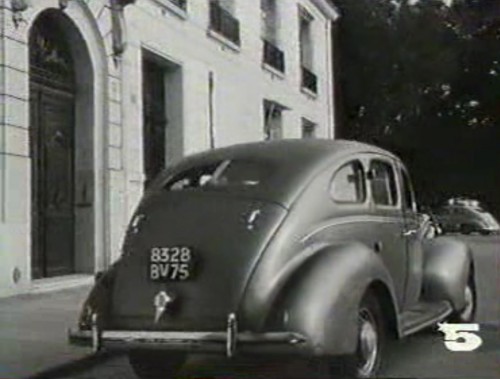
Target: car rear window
{"x":222,"y":174}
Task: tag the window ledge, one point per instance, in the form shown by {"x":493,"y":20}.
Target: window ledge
{"x":172,"y":8}
{"x":310,"y":94}
{"x":274,"y":72}
{"x":223,"y":40}
{"x":387,"y":207}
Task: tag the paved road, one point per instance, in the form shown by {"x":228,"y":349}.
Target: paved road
{"x":422,"y":355}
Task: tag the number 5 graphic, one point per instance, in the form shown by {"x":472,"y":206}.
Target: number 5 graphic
{"x":459,"y":337}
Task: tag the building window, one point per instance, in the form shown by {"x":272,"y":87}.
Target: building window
{"x":308,"y":128}
{"x":269,"y":13}
{"x":272,"y":54}
{"x":222,"y":20}
{"x":273,"y":120}
{"x":182,"y":4}
{"x":309,"y":80}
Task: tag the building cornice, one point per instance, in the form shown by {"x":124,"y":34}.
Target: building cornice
{"x":328,"y":9}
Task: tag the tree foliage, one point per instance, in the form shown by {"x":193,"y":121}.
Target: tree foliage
{"x":423,"y":79}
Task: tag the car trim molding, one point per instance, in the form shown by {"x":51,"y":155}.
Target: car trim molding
{"x":350,"y":220}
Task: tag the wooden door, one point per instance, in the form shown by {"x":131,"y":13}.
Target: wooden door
{"x":52,"y":126}
{"x":53,"y":115}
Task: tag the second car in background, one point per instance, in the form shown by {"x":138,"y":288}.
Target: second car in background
{"x":461,"y":215}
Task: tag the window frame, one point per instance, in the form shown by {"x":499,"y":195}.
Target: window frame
{"x":390,"y":163}
{"x":180,"y":5}
{"x":276,"y":111}
{"x":270,"y":26}
{"x":308,"y":126}
{"x":405,"y":174}
{"x":306,"y":53}
{"x":350,"y":162}
{"x":214,"y":29}
{"x":309,"y":80}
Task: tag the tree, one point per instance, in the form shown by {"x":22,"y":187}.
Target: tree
{"x":422,"y":78}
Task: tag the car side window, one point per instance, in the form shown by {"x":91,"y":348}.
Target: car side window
{"x":348,"y":184}
{"x":383,"y":183}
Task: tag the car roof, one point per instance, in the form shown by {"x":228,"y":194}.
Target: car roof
{"x":293,"y":159}
{"x":288,"y":151}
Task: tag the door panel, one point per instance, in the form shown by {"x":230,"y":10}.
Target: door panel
{"x":414,"y":234}
{"x":414,"y":224}
{"x":393,"y":249}
{"x":57,"y":117}
{"x":385,"y":199}
{"x":52,"y":113}
{"x":52,"y":105}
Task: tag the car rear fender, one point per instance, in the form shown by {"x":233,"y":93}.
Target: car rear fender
{"x":319,"y":294}
{"x":99,"y":298}
{"x":447,"y":268}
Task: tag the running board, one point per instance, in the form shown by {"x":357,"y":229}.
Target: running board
{"x":423,"y":315}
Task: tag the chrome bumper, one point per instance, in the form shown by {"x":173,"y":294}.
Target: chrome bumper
{"x":227,"y":342}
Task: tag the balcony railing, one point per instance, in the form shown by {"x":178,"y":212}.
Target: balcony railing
{"x":309,"y":80}
{"x":182,"y":4}
{"x":224,"y":23}
{"x":273,"y":56}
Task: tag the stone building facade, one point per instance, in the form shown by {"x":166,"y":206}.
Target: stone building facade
{"x":97,"y":96}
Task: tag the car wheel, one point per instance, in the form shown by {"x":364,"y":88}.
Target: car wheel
{"x":468,"y":312}
{"x":151,"y":364}
{"x":367,"y":360}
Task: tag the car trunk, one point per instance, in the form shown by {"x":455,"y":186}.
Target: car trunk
{"x":225,"y":247}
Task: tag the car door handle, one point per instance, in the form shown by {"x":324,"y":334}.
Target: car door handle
{"x":410,"y":232}
{"x":252,"y":219}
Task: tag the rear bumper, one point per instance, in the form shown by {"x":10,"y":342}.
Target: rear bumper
{"x":192,"y":342}
{"x":222,"y":342}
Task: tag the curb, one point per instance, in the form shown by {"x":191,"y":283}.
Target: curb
{"x":70,"y":368}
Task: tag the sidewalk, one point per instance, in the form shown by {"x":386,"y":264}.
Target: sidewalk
{"x":33,"y":331}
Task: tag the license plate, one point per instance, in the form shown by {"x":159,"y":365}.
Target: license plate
{"x":171,"y":263}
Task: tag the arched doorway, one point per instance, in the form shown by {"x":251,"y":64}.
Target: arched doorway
{"x":52,"y":118}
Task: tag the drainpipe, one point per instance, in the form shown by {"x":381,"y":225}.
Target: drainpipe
{"x":211,"y":123}
{"x":330,"y":79}
{"x":3,"y":174}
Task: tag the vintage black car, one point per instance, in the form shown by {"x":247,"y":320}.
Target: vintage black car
{"x":313,"y":248}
